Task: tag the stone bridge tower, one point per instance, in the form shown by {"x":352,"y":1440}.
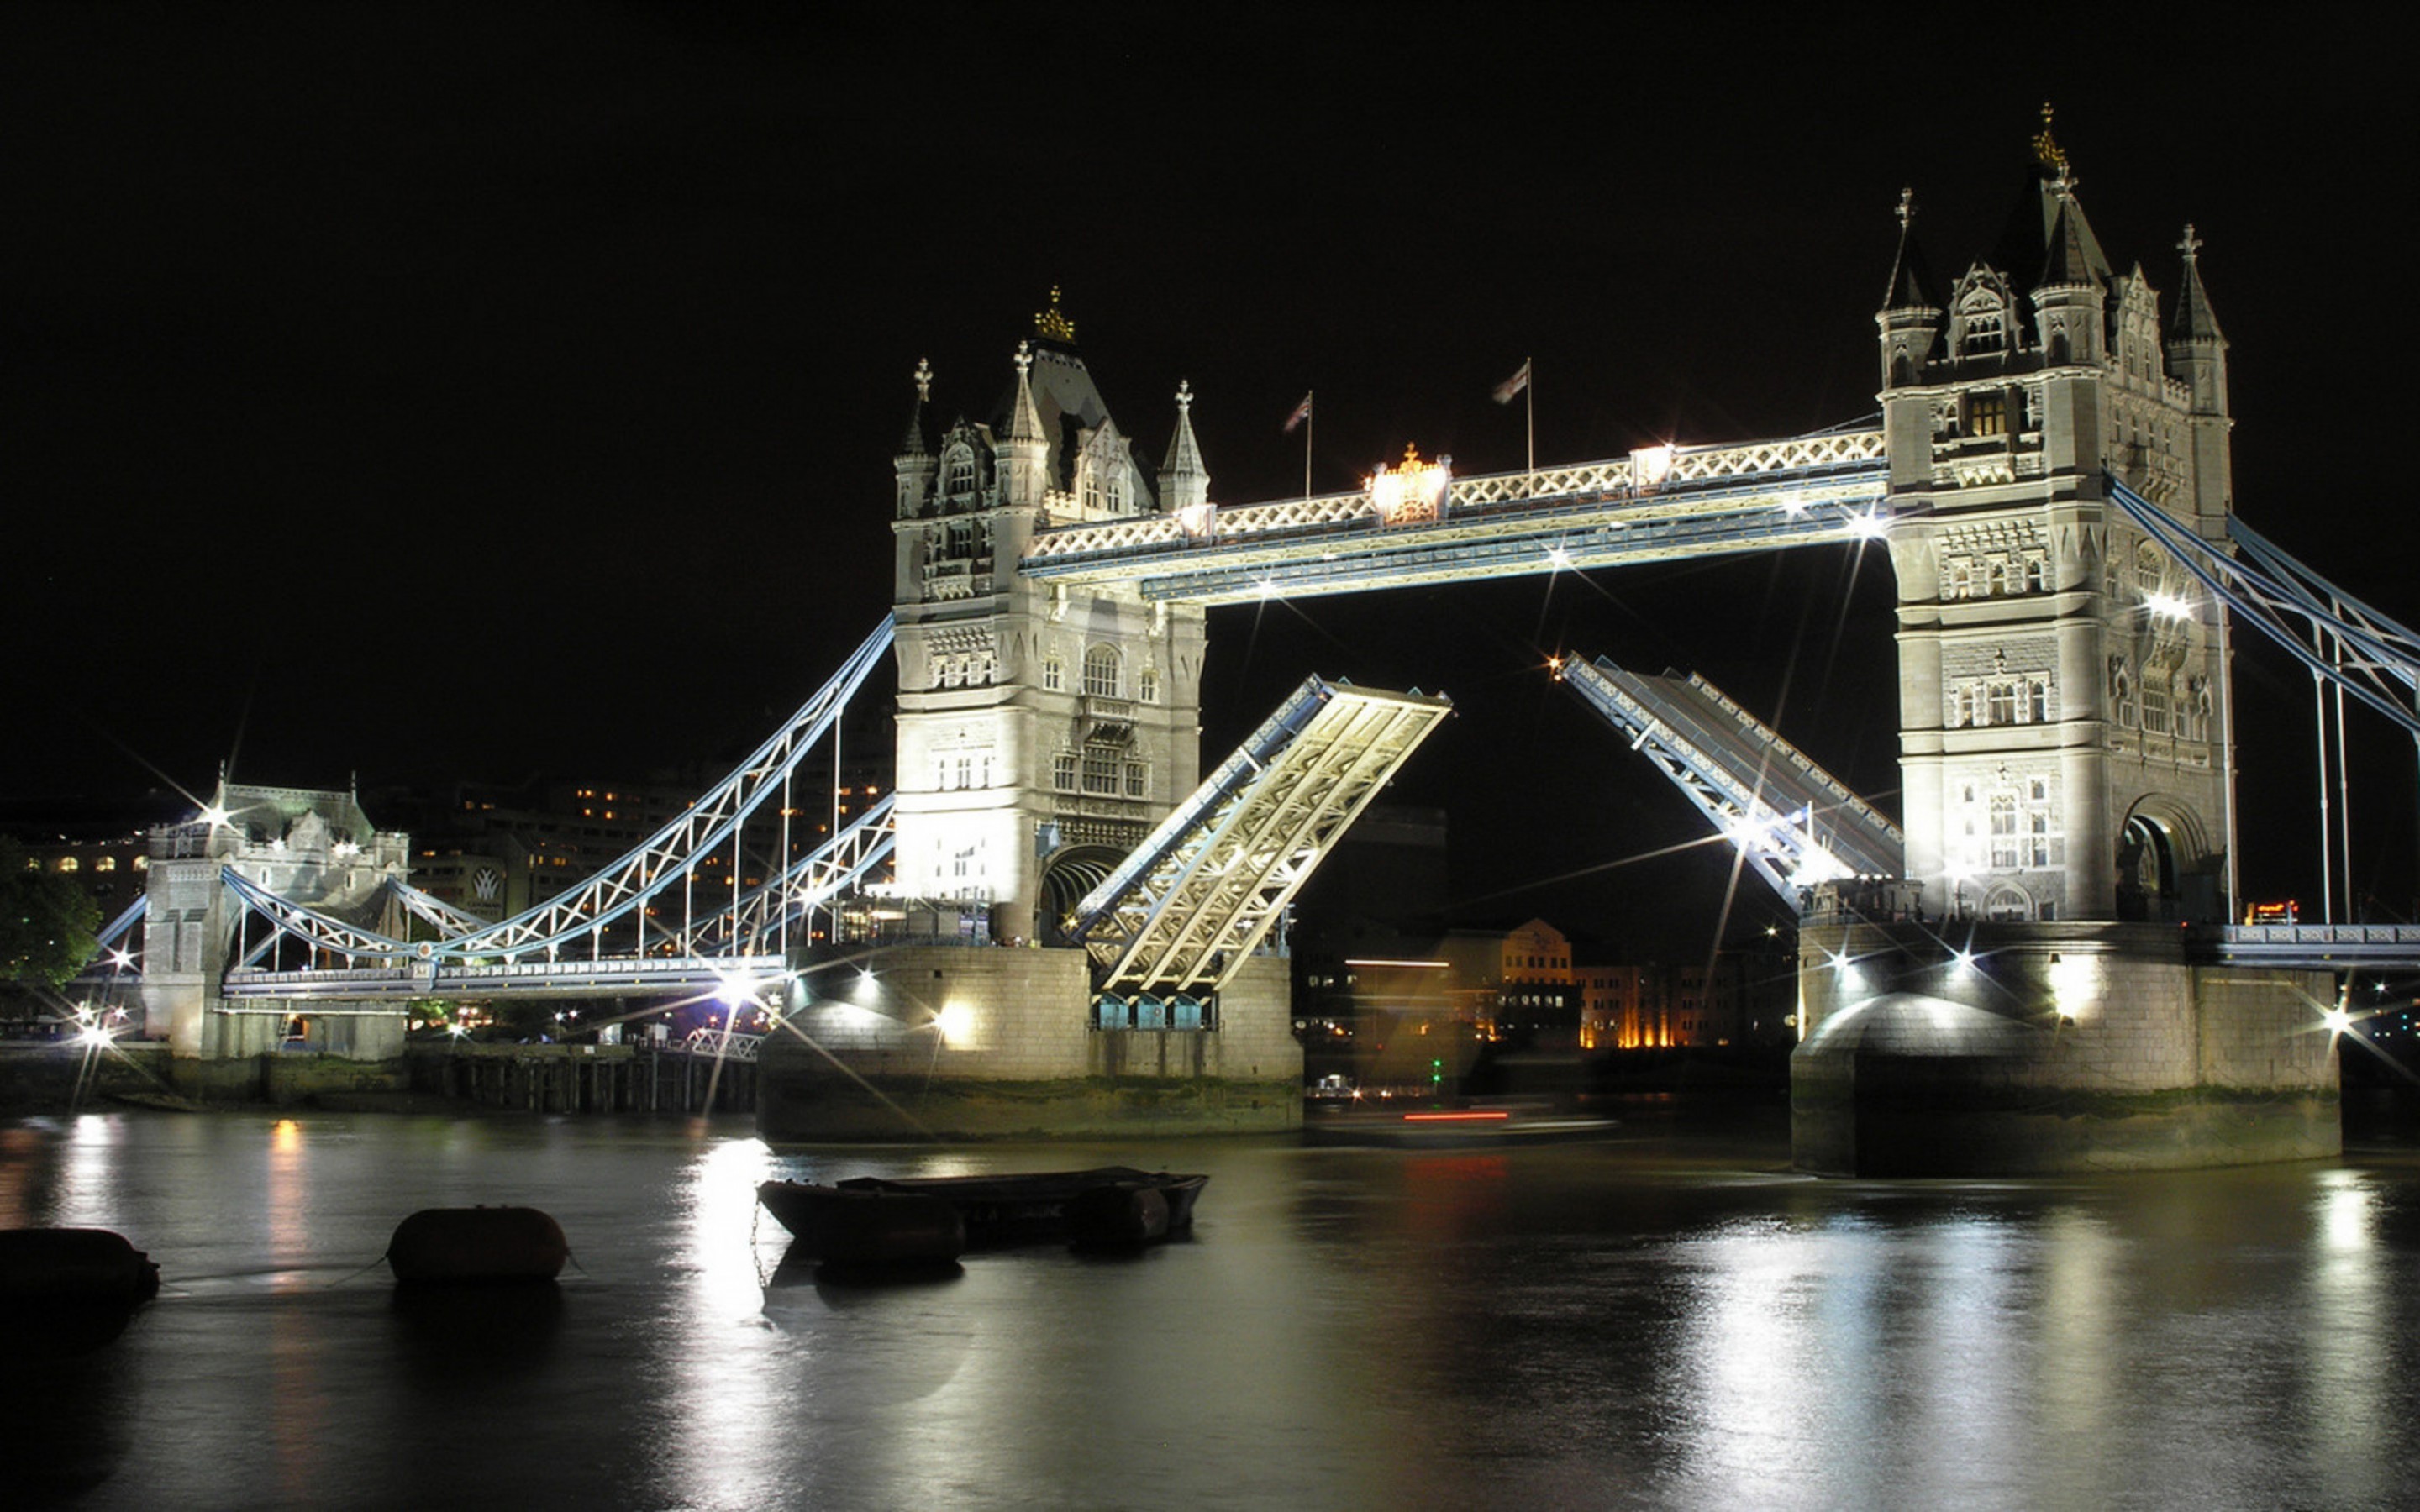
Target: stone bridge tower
{"x":1043,"y":730}
{"x":2064,"y":751}
{"x":2064,"y":742}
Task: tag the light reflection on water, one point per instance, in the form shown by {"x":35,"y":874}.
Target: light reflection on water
{"x":1650,"y":1322}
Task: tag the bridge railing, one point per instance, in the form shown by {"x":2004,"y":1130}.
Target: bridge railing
{"x":1612,"y":478}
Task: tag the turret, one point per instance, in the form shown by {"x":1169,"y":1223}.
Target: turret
{"x":1184,"y":481}
{"x":2069,"y":307}
{"x":1910,"y":326}
{"x":2198,"y":358}
{"x":914,"y":464}
{"x":1023,"y":450}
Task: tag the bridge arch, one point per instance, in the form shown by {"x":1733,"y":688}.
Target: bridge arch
{"x":2165,"y":862}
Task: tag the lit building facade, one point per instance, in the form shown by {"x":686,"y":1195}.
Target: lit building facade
{"x":1043,"y":730}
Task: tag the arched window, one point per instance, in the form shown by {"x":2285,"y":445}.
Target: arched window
{"x":1054,"y":673}
{"x":2036,"y":575}
{"x":958,"y":480}
{"x":1150,"y":689}
{"x":2004,"y":829}
{"x":1101,"y":672}
{"x":1062,"y":772}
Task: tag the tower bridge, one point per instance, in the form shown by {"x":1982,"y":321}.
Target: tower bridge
{"x":2051,"y":480}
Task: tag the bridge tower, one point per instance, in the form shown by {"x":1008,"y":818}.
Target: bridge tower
{"x":315,"y":848}
{"x":1043,"y":730}
{"x":2023,"y":1000}
{"x":2063,"y":689}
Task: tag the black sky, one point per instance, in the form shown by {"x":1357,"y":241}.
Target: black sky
{"x":427,"y":392}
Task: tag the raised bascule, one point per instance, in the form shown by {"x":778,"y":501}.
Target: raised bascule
{"x":2036,"y":968}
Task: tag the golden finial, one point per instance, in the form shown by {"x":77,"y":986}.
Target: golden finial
{"x":923,"y":381}
{"x":1052,"y":324}
{"x":2047,"y":149}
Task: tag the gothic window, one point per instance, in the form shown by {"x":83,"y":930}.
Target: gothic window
{"x":1961,"y":576}
{"x":1987,"y":412}
{"x":1953,"y":709}
{"x":960,"y":477}
{"x":1089,"y":482}
{"x":1101,"y":672}
{"x":2003,"y":703}
{"x":2004,"y":829}
{"x":966,"y":773}
{"x":1062,"y":772}
{"x":2148,"y":567}
{"x":1979,"y":325}
{"x":1995,"y":576}
{"x":1117,"y":491}
{"x":1137,"y":779}
{"x":2155,"y":705}
{"x":2036,"y":575}
{"x":2038,"y":702}
{"x":1100,"y":772}
{"x":1150,"y":689}
{"x":1054,"y":673}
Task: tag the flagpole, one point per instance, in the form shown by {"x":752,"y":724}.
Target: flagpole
{"x":1310,"y":423}
{"x":1530,"y":366}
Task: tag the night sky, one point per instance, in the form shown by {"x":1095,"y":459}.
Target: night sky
{"x":429,"y":391}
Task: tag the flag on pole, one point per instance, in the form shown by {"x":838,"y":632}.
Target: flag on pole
{"x":1301,"y":413}
{"x":1514,"y":385}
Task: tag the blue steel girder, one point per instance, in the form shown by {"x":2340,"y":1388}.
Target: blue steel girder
{"x":577,"y":918}
{"x":1795,"y":824}
{"x":809,"y":882}
{"x":487,"y":979}
{"x":2306,"y":946}
{"x":2270,"y":590}
{"x":674,"y":851}
{"x":1191,"y":903}
{"x":1699,"y":501}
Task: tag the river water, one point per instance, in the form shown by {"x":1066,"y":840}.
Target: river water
{"x":1669,"y":1319}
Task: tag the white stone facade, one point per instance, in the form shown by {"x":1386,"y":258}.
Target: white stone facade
{"x":1043,"y":731}
{"x":2063,"y":741}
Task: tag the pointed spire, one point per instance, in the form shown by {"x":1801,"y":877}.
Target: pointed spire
{"x":917,"y":445}
{"x":1911,"y":283}
{"x":1184,"y":481}
{"x":1024,"y":415}
{"x":2194,"y":321}
{"x":2072,"y":255}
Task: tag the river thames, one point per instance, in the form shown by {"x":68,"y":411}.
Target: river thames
{"x":1669,"y":1319}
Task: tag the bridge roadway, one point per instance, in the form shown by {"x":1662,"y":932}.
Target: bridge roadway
{"x":705,"y":975}
{"x":1658,"y":503}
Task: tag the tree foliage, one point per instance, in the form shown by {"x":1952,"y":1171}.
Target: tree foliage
{"x":48,"y":924}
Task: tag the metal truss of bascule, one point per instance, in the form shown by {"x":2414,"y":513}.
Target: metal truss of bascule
{"x":1794,"y":823}
{"x":2345,"y":644}
{"x":1189,"y":905}
{"x":560,"y":946}
{"x":1657,"y":504}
